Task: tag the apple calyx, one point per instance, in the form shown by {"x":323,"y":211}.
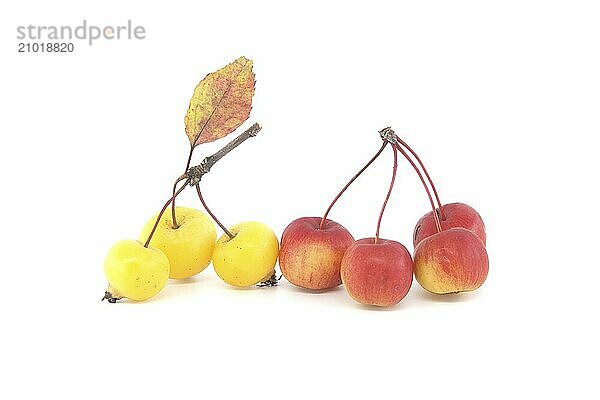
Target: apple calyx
{"x":112,"y":295}
{"x":271,"y":281}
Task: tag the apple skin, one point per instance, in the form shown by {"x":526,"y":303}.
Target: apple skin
{"x":451,"y":261}
{"x":134,"y":271}
{"x":188,"y":247}
{"x":311,"y":257}
{"x":377,"y":274}
{"x":248,"y":258}
{"x":458,"y":215}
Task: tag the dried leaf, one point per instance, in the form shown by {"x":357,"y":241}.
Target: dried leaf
{"x":221,"y":102}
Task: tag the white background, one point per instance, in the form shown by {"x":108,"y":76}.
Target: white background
{"x":501,"y":99}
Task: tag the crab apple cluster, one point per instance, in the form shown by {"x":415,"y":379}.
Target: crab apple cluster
{"x":449,"y":247}
{"x":182,"y":243}
{"x":137,"y":271}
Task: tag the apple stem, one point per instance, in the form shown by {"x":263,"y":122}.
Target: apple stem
{"x":349,"y":183}
{"x":231,"y":236}
{"x":387,"y":197}
{"x":189,"y":160}
{"x":435,"y":193}
{"x":187,"y":166}
{"x":438,"y":225}
{"x":173,"y":217}
{"x":162,"y":211}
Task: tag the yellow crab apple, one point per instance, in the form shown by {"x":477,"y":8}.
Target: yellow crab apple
{"x":189,"y":246}
{"x":134,"y":271}
{"x":249,"y":257}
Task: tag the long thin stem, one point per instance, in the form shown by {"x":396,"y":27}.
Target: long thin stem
{"x":189,"y":160}
{"x":438,"y":225}
{"x":162,"y":211}
{"x":173,"y":216}
{"x":187,"y":166}
{"x":387,"y":197}
{"x":435,"y":193}
{"x":193,"y":175}
{"x":231,"y":236}
{"x":350,"y":182}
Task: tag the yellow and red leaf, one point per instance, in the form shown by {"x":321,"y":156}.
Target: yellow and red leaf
{"x":221,"y":102}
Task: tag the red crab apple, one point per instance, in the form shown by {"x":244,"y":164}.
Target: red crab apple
{"x":377,"y":273}
{"x":311,"y":254}
{"x":457,"y":215}
{"x":451,"y":261}
{"x":312,"y":248}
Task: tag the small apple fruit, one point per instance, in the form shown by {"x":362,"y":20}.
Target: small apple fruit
{"x":312,"y":248}
{"x":134,"y":271}
{"x":311,"y":254}
{"x":249,"y":257}
{"x":451,"y":261}
{"x":377,"y":273}
{"x":457,"y":215}
{"x":454,"y":215}
{"x":188,"y":247}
